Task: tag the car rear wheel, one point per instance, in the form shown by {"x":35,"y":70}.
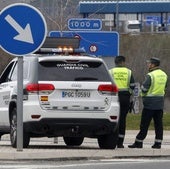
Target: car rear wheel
{"x":13,"y":131}
{"x":108,"y":141}
{"x":73,"y":141}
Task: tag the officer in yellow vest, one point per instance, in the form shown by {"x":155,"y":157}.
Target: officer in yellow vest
{"x":153,"y":91}
{"x":125,"y":82}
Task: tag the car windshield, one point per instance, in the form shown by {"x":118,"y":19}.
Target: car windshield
{"x":72,"y":71}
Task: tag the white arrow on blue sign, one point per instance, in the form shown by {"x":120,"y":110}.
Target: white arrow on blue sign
{"x":23,"y":29}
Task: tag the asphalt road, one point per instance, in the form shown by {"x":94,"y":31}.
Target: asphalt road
{"x":141,"y":163}
{"x":45,"y":148}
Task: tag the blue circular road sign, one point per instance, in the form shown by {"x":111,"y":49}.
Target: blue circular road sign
{"x":22,"y":29}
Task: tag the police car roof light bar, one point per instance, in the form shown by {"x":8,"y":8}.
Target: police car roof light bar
{"x":55,"y":42}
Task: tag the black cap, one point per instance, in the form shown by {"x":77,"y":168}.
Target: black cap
{"x":154,"y":60}
{"x":119,"y":59}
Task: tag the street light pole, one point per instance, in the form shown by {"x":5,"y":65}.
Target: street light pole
{"x":117,"y":15}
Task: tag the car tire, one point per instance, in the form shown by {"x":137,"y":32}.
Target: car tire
{"x":0,"y":136}
{"x":108,"y":141}
{"x":13,"y":131}
{"x":73,"y":141}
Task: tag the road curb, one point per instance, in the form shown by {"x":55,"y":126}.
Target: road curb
{"x":81,"y":154}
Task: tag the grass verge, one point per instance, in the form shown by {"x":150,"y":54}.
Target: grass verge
{"x":133,"y":122}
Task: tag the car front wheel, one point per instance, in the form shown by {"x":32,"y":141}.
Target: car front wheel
{"x":13,"y":131}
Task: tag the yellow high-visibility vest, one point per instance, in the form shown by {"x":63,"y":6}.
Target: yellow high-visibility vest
{"x":158,"y":83}
{"x":121,"y":76}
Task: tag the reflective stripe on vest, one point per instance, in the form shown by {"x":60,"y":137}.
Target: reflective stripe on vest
{"x":121,"y":76}
{"x":158,"y":83}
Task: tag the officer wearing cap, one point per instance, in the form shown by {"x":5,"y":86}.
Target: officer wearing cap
{"x":152,"y":91}
{"x":125,"y":82}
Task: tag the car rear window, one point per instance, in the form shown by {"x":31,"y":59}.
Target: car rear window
{"x":72,"y":71}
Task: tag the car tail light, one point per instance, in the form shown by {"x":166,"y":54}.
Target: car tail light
{"x":108,"y":89}
{"x":41,"y":88}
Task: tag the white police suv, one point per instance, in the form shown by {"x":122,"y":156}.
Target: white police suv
{"x":66,"y":94}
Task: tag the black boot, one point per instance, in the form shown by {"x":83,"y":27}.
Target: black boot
{"x":156,"y":145}
{"x":136,"y":144}
{"x":120,"y":146}
{"x":120,"y":143}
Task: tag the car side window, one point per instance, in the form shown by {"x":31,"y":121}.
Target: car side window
{"x":10,"y":72}
{"x":5,"y":76}
{"x":14,"y":74}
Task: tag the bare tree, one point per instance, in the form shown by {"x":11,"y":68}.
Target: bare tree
{"x":57,"y":12}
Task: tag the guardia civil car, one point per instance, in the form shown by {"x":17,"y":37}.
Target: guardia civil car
{"x":66,"y":94}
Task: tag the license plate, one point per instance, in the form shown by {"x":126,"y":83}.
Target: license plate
{"x":75,"y":94}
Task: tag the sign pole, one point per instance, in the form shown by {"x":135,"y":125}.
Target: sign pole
{"x":117,"y":15}
{"x":22,"y":40}
{"x":20,"y":104}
